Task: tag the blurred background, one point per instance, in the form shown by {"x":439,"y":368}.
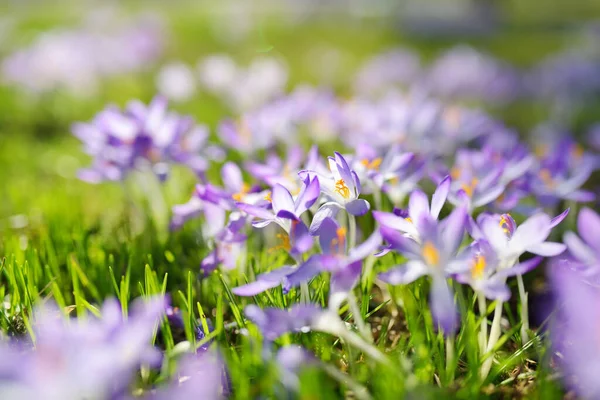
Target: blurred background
{"x":526,"y":62}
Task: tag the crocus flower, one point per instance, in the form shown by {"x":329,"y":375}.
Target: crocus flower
{"x":435,"y":254}
{"x":418,"y":209}
{"x":575,"y":330}
{"x":378,"y":171}
{"x":94,"y":358}
{"x":585,"y":250}
{"x":561,"y":173}
{"x":463,"y":73}
{"x":285,"y":209}
{"x":484,"y":275}
{"x":345,"y":264}
{"x":510,"y":241}
{"x":277,"y":171}
{"x":198,"y":376}
{"x":342,"y":189}
{"x":141,"y":136}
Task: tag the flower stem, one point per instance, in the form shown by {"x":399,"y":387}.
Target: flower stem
{"x":524,"y":310}
{"x":450,"y":359}
{"x":351,"y":231}
{"x":494,"y":336}
{"x":483,"y":330}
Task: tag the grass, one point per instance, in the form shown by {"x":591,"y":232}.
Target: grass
{"x":79,"y":244}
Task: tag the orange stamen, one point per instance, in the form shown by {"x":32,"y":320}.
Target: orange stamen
{"x":342,"y":189}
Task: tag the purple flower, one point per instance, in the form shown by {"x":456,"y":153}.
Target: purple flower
{"x":418,"y":209}
{"x":484,"y":274}
{"x":342,"y":189}
{"x":141,"y":137}
{"x":285,"y":209}
{"x":345,"y":264}
{"x":561,"y":173}
{"x":466,"y":74}
{"x":510,"y":241}
{"x":435,"y":254}
{"x":276,"y":171}
{"x":395,"y":172}
{"x":198,"y":376}
{"x":93,"y":358}
{"x":585,"y":249}
{"x":392,"y":67}
{"x":575,"y":330}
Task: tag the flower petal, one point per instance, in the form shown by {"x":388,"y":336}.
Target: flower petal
{"x":345,"y":279}
{"x":439,"y":197}
{"x":418,"y":204}
{"x":327,"y":210}
{"x":547,"y":249}
{"x":358,"y":207}
{"x":308,"y":195}
{"x":282,"y":199}
{"x":578,"y":248}
{"x":588,"y":224}
{"x":255,"y":211}
{"x":404,"y":274}
{"x":442,"y":306}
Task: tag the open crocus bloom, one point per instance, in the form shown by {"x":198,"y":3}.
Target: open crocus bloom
{"x":418,"y":210}
{"x":510,"y":241}
{"x":484,"y":276}
{"x":434,"y":255}
{"x":342,"y":189}
{"x":285,"y":208}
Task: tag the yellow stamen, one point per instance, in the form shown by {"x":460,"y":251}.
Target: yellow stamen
{"x":342,"y":189}
{"x":244,"y":190}
{"x":504,"y":223}
{"x":470,"y":188}
{"x":430,"y":254}
{"x":409,"y":219}
{"x":546,"y":177}
{"x":268,"y":197}
{"x":284,"y":243}
{"x":577,"y":151}
{"x":455,"y":172}
{"x":341,"y":239}
{"x":478,"y":267}
{"x":373,"y":164}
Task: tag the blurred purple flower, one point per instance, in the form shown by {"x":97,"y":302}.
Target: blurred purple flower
{"x":141,"y":136}
{"x":93,"y":358}
{"x":585,"y":250}
{"x":575,"y":330}
{"x":435,"y":254}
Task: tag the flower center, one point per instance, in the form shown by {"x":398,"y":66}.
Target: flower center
{"x":373,"y":164}
{"x":342,"y":189}
{"x":507,"y":223}
{"x":268,"y":197}
{"x":546,"y":177}
{"x":430,"y":254}
{"x":470,"y":187}
{"x":339,"y":242}
{"x":577,"y":151}
{"x":455,"y":173}
{"x":244,"y":190}
{"x":284,"y":244}
{"x":478,"y":267}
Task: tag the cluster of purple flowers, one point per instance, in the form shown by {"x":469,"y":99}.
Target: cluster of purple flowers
{"x":78,"y":59}
{"x":99,"y":358}
{"x":465,"y":74}
{"x":496,"y":201}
